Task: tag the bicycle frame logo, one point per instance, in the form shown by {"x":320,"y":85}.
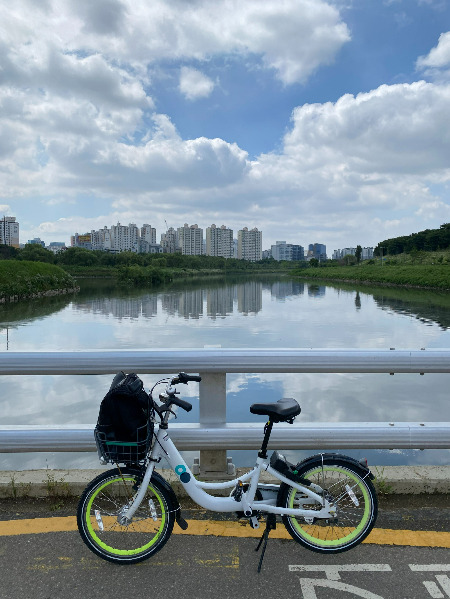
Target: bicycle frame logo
{"x":180,"y":470}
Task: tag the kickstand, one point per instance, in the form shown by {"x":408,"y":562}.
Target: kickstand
{"x":271,"y":524}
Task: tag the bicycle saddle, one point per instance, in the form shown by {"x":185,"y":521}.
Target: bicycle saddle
{"x":278,"y":411}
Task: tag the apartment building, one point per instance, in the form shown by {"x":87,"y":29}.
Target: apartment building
{"x":219,"y":241}
{"x":9,"y":231}
{"x":287,"y":251}
{"x":148,"y":234}
{"x":190,"y":240}
{"x":169,"y":241}
{"x":249,"y":244}
{"x":187,"y":240}
{"x":125,"y":238}
{"x":101,"y":240}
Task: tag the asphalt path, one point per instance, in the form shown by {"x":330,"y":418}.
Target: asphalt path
{"x":58,"y":564}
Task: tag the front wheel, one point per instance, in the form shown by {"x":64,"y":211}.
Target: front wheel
{"x":352,"y":493}
{"x":103,"y":503}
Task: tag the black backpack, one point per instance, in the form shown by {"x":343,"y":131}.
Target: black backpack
{"x":124,"y":427}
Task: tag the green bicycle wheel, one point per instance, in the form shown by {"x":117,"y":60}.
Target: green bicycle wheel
{"x":356,"y":507}
{"x":106,"y":499}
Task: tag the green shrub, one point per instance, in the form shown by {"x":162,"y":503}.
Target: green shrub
{"x":25,"y":279}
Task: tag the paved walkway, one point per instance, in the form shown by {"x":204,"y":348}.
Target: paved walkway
{"x":58,"y":565}
{"x":406,"y":557}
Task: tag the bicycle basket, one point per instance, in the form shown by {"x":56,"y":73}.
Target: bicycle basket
{"x":119,"y":451}
{"x":124,"y":430}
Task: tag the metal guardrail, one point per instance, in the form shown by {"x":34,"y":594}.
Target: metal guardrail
{"x":226,"y":360}
{"x":212,"y":433}
{"x":344,"y":435}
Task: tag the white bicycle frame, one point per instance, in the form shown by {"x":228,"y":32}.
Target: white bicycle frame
{"x":164,"y":448}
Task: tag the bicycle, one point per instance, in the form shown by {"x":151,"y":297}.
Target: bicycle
{"x":327,"y":502}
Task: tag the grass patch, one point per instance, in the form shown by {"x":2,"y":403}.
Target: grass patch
{"x":430,"y":276}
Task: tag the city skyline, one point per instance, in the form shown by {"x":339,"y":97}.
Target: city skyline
{"x":317,"y":120}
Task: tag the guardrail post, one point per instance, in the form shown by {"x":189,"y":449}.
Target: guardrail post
{"x":213,"y":411}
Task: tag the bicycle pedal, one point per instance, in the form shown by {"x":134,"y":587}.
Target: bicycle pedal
{"x":254,"y":523}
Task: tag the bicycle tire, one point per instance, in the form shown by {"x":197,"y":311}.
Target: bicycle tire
{"x":102,"y":502}
{"x":355,"y":498}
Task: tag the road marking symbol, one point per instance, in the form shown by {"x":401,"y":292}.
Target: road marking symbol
{"x":308,"y":588}
{"x":431,"y":586}
{"x":333,"y":572}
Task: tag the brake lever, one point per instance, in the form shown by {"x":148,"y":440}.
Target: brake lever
{"x":162,"y":410}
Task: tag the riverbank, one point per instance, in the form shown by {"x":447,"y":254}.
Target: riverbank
{"x":23,"y":280}
{"x":420,"y":276}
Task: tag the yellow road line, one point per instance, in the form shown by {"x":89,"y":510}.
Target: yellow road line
{"x":226,"y":528}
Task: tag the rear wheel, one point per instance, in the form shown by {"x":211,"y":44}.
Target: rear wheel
{"x":106,"y":499}
{"x":349,"y":490}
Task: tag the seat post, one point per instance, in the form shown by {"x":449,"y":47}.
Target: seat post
{"x":267,"y":430}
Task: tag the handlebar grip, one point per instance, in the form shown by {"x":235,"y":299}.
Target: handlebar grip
{"x":184,"y":378}
{"x":181,"y":403}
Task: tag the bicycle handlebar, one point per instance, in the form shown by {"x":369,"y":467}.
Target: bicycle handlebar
{"x":169,"y":397}
{"x":181,"y":403}
{"x":182,"y":377}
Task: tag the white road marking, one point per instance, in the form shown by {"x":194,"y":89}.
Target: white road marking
{"x":332,"y":572}
{"x":308,"y":588}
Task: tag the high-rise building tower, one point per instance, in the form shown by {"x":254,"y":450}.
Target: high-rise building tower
{"x":169,"y":241}
{"x":190,"y":239}
{"x":148,"y":234}
{"x":125,"y":239}
{"x":219,"y":241}
{"x":9,"y":231}
{"x":249,"y":244}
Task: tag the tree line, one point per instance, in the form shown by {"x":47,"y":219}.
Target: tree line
{"x":429,"y":240}
{"x":80,"y":257}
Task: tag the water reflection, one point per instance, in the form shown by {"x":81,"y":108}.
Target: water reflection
{"x":315,"y":290}
{"x":216,"y":301}
{"x":417,"y":304}
{"x":16,"y":314}
{"x":428,"y":306}
{"x":257,"y":311}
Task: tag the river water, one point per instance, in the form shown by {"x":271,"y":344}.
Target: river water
{"x":251,"y":312}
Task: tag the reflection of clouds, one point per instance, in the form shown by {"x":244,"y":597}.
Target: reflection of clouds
{"x":274,"y":314}
{"x":348,"y":397}
{"x":52,"y":399}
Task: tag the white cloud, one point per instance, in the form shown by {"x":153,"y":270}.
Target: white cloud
{"x":194,"y":84}
{"x":439,"y":56}
{"x":74,"y":86}
{"x":77,"y":118}
{"x":293,"y":37}
{"x":394,"y":129}
{"x":347,"y":169}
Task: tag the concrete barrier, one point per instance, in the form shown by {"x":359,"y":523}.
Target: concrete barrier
{"x":59,"y":483}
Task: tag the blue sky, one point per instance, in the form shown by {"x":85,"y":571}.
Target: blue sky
{"x":315,"y":121}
